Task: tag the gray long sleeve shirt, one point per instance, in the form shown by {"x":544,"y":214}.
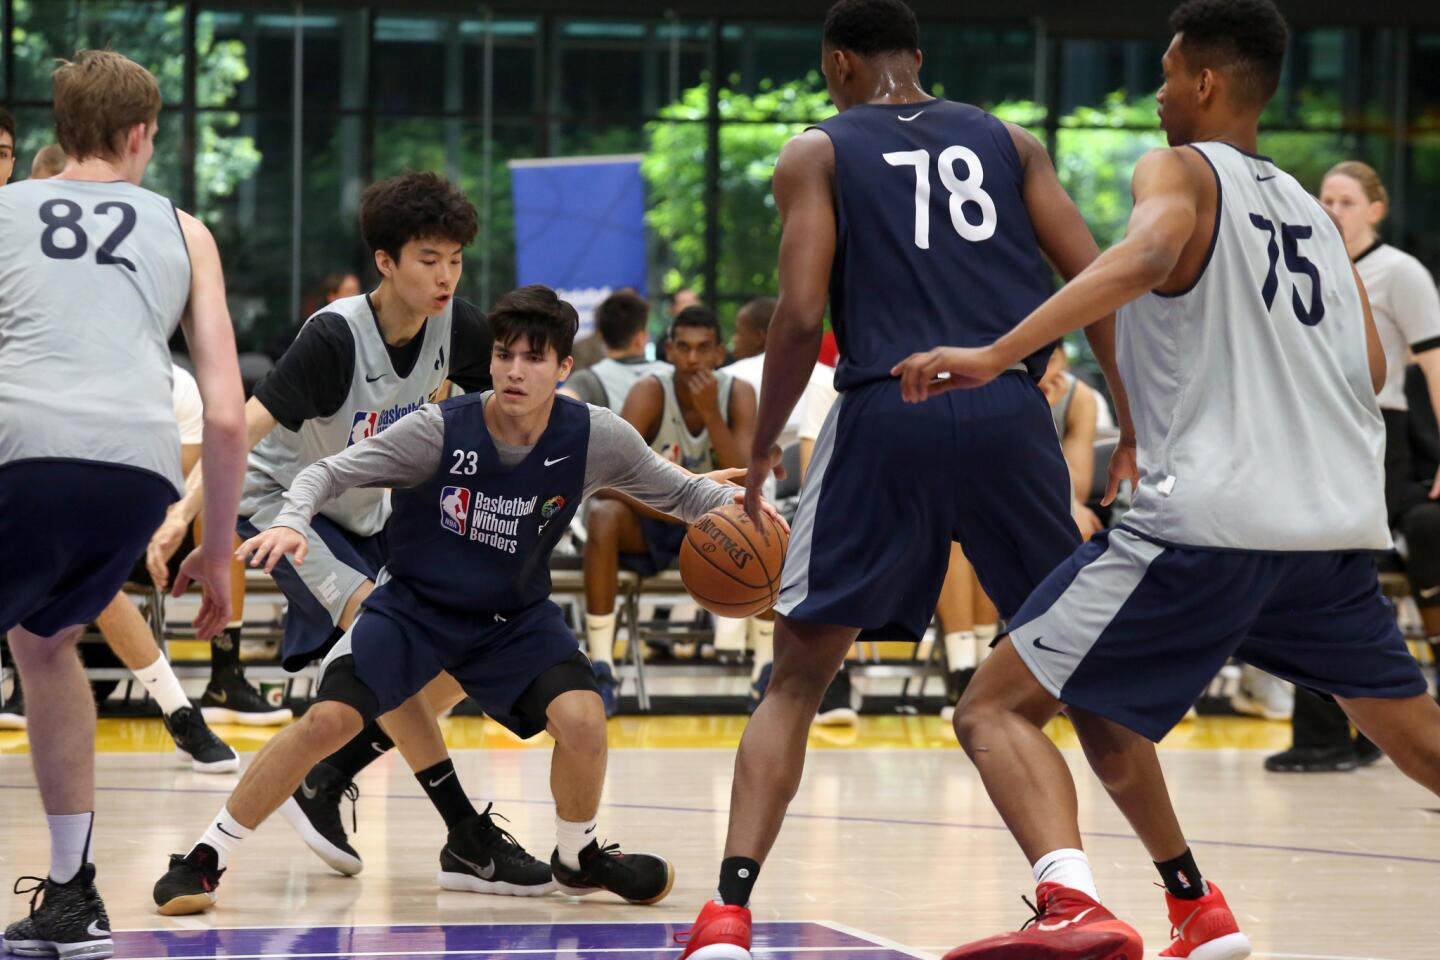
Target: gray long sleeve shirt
{"x":410,"y":452}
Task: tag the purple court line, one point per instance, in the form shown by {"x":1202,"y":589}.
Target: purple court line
{"x":832,"y":817}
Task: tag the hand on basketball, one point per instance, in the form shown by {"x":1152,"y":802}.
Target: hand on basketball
{"x":163,"y":544}
{"x":1123,"y":466}
{"x":212,"y":572}
{"x":929,"y":374}
{"x":760,"y":470}
{"x":271,"y":546}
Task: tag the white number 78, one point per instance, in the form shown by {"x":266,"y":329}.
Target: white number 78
{"x":961,"y":192}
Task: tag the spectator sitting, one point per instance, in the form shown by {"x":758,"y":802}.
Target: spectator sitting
{"x":691,"y":415}
{"x":621,"y":321}
{"x":752,"y":324}
{"x":48,"y":162}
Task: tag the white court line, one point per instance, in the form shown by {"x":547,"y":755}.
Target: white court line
{"x":186,"y":921}
{"x":547,"y":951}
{"x":886,"y":942}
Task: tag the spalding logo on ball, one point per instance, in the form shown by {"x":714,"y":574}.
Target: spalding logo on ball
{"x":730,"y":565}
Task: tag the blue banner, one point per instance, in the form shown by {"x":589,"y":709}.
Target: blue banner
{"x":580,"y":228}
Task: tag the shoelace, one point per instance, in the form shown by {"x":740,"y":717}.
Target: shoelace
{"x":352,"y":793}
{"x":35,"y":891}
{"x":513,"y":848}
{"x":1039,"y":914}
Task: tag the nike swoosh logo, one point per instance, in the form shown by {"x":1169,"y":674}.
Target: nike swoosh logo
{"x":591,"y":830}
{"x":1260,"y":179}
{"x":1047,"y":927}
{"x":309,"y":791}
{"x":484,"y":873}
{"x":1042,"y":646}
{"x":95,"y":930}
{"x":227,"y":832}
{"x":221,"y":695}
{"x":373,"y":379}
{"x":1428,"y":592}
{"x":378,"y":748}
{"x":436,"y":783}
{"x":909,"y":118}
{"x":551,"y":463}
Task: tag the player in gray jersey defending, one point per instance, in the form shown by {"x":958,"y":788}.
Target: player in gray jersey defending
{"x":87,"y":472}
{"x":484,"y":487}
{"x":1252,"y":363}
{"x":357,"y":367}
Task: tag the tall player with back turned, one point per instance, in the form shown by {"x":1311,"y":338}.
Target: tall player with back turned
{"x":914,"y":217}
{"x":1247,"y":346}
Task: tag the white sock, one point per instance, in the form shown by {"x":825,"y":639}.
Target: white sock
{"x":600,"y":637}
{"x":224,"y":835}
{"x":960,"y":650}
{"x":69,"y":844}
{"x":984,"y":636}
{"x":162,"y":684}
{"x":729,"y":634}
{"x":571,"y":838}
{"x":762,"y":641}
{"x":1069,"y":868}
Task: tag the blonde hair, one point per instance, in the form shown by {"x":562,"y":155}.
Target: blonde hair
{"x":1365,"y":175}
{"x":48,"y":162}
{"x":99,"y":97}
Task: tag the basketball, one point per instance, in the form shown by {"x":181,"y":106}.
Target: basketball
{"x":730,"y":566}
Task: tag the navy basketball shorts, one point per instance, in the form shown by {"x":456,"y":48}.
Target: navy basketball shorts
{"x":70,"y":530}
{"x":1134,"y":630}
{"x":337,"y":564}
{"x":663,"y":539}
{"x":891,"y":485}
{"x":400,"y":642}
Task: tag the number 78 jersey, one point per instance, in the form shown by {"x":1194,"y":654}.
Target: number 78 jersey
{"x":934,"y":245}
{"x":93,"y":280}
{"x":1257,"y":424}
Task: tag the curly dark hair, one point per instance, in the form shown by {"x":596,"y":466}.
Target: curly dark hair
{"x":7,"y":123}
{"x":539,"y":315}
{"x":620,"y":316}
{"x":413,"y":205}
{"x":872,"y":27}
{"x":1247,"y":38}
{"x":696,"y":316}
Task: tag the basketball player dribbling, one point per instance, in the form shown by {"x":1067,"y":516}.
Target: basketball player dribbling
{"x":95,"y":274}
{"x":914,"y":217}
{"x":1249,"y":351}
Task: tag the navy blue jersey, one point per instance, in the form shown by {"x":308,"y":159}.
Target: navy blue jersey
{"x":934,"y":245}
{"x":479,"y":541}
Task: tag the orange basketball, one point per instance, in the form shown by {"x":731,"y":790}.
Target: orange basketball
{"x":730,"y":566}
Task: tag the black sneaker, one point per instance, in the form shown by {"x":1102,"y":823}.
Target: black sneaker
{"x":641,"y":878}
{"x":12,"y":708}
{"x":955,"y":685}
{"x":314,"y":811}
{"x":230,"y":699}
{"x":1313,"y":760}
{"x":197,"y":743}
{"x":609,"y":687}
{"x":837,"y":708}
{"x":70,"y":922}
{"x":480,"y":857}
{"x":190,"y":883}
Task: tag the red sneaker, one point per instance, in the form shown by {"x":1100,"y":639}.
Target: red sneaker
{"x":720,"y":933}
{"x":1068,"y":925}
{"x":1205,"y":929}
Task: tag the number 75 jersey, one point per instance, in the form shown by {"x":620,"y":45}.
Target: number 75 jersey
{"x":934,"y":245}
{"x":1257,"y":424}
{"x":93,"y":280}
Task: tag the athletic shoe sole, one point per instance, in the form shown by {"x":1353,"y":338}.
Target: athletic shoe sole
{"x":720,"y":951}
{"x":214,"y":766}
{"x":1235,"y":946}
{"x":12,"y":721}
{"x":83,"y":950}
{"x":186,"y":905}
{"x":842,"y":717}
{"x":466,"y":883}
{"x":1075,"y":945}
{"x":337,"y":859}
{"x":270,"y":718}
{"x":586,"y":891}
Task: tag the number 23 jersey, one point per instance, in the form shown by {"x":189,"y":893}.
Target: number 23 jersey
{"x":1257,"y":424}
{"x":93,"y":280}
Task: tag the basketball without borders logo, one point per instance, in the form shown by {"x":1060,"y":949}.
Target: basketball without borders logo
{"x":454,"y":509}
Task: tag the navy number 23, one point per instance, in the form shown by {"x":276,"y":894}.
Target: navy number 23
{"x":1297,"y":263}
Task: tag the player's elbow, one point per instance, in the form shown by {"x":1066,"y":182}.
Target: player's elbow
{"x":225,"y":429}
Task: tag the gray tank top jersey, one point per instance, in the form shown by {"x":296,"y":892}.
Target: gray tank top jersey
{"x":378,"y":397}
{"x":675,"y":442}
{"x":617,"y":378}
{"x":93,"y":280}
{"x":1257,"y":424}
{"x":1060,"y":413}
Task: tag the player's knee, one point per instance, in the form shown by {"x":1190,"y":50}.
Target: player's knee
{"x":329,"y":725}
{"x":576,"y":719}
{"x":604,"y":519}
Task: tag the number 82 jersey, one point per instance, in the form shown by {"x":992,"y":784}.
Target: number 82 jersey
{"x":93,"y":280}
{"x":934,"y":245}
{"x":1257,"y":423}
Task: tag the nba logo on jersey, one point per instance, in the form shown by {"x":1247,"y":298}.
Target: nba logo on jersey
{"x":454,"y":508}
{"x":364,"y":427}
